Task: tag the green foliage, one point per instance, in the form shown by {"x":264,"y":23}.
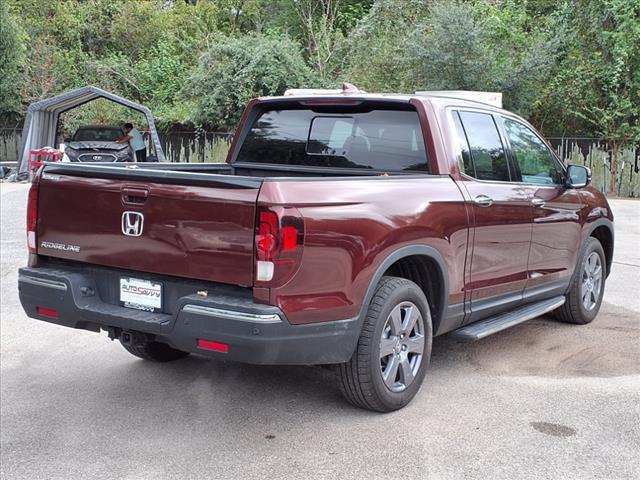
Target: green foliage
{"x":233,"y":71}
{"x":571,"y":66}
{"x":377,"y":45}
{"x":99,"y":112}
{"x":613,"y":57}
{"x":11,"y":59}
{"x":350,"y":12}
{"x":595,"y":86}
{"x":484,"y":46}
{"x":323,"y":40}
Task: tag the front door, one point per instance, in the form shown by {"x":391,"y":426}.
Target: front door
{"x":556,"y":231}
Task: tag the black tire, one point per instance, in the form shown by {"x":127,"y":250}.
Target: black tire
{"x":574,"y":309}
{"x":361,"y":378}
{"x":155,"y":351}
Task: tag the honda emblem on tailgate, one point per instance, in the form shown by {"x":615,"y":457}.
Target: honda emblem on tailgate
{"x":132,"y":223}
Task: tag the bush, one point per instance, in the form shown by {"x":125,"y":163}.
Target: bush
{"x":377,"y":45}
{"x":483,"y":46}
{"x":11,"y":57}
{"x":232,"y":72}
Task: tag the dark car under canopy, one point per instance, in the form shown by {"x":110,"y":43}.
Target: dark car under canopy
{"x":41,"y":122}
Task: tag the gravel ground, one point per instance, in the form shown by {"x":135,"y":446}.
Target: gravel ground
{"x":542,"y":400}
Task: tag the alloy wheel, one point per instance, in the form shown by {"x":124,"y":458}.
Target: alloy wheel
{"x":591,"y":281}
{"x":401,"y":346}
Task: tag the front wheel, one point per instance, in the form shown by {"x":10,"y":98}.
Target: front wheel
{"x":393,"y":351}
{"x":585,"y":293}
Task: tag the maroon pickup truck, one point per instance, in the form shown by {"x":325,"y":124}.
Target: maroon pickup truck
{"x":344,"y":230}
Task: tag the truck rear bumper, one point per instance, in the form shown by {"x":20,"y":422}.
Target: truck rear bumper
{"x":84,"y":298}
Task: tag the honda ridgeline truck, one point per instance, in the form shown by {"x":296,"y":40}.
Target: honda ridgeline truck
{"x":345,"y":229}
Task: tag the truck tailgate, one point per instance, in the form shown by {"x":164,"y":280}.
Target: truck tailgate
{"x":203,"y":231}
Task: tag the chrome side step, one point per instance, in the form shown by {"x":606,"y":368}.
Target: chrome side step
{"x":502,"y":321}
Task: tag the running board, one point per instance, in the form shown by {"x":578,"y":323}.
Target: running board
{"x":502,"y":321}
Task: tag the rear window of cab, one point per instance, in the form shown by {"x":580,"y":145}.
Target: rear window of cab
{"x":386,"y":140}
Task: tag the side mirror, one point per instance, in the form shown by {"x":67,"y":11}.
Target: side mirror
{"x":578,"y":176}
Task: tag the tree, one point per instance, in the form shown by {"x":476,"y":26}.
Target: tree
{"x":376,"y":46}
{"x":613,"y":40}
{"x":598,"y":76}
{"x":233,"y":71}
{"x":11,"y":59}
{"x":323,"y":40}
{"x":484,"y":46}
{"x":570,"y":66}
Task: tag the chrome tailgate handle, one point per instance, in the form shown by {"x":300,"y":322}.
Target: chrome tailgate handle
{"x":483,"y":201}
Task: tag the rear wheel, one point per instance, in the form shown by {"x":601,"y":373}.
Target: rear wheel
{"x":394,"y":349}
{"x":155,"y":351}
{"x":585,"y":294}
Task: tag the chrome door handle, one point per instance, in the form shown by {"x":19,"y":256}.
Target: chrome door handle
{"x":537,"y":202}
{"x":483,"y":201}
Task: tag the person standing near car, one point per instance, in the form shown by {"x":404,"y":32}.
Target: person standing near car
{"x":135,"y":140}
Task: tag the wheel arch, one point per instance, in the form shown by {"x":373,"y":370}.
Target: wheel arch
{"x":602,"y":230}
{"x":425,"y":266}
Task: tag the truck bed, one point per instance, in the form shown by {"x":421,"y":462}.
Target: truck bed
{"x":195,"y":172}
{"x":198,"y":219}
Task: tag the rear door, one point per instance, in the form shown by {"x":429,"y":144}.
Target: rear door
{"x":501,"y":216}
{"x":201,"y":231}
{"x":556,"y":234}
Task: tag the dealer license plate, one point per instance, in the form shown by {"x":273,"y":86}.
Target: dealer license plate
{"x":141,"y":294}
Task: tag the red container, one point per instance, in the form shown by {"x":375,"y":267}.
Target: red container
{"x":38,"y":157}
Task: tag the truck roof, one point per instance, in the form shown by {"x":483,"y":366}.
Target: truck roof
{"x":493,"y":100}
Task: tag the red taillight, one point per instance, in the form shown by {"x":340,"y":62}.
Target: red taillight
{"x":289,"y":238}
{"x":32,"y":216}
{"x":267,"y":235}
{"x":47,"y":312}
{"x":279,"y":242}
{"x":213,"y":346}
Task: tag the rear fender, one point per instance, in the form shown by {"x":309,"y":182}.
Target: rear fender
{"x":403,"y":252}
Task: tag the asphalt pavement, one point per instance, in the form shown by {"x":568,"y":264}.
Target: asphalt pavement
{"x":543,"y":400}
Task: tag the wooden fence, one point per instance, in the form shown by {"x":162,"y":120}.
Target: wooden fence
{"x":594,"y":153}
{"x":202,"y":146}
{"x":9,"y":144}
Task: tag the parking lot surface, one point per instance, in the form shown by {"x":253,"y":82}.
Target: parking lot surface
{"x":541,"y":400}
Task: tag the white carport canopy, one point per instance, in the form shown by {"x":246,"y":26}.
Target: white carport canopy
{"x":41,"y":122}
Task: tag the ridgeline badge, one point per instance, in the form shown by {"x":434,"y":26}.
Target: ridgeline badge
{"x":60,"y":246}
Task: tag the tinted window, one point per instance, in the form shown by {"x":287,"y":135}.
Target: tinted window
{"x":535,"y":161}
{"x":466,"y":165}
{"x":379,"y":139}
{"x":98,"y":135}
{"x":487,"y":152}
{"x":329,"y":135}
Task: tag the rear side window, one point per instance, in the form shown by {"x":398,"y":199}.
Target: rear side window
{"x":487,"y":152}
{"x":388,"y":140}
{"x":466,"y":165}
{"x":537,"y":164}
